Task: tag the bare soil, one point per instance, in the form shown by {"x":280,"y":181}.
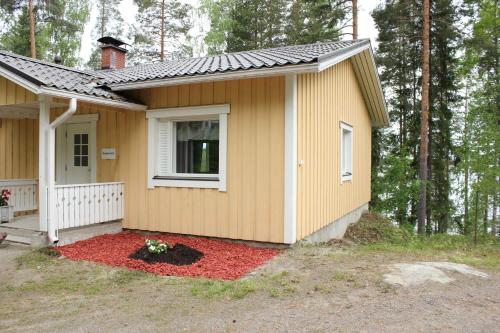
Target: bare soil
{"x":325,"y":288}
{"x":178,"y":255}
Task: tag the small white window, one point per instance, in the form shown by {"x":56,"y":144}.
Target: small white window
{"x":187,"y":147}
{"x":345,"y":152}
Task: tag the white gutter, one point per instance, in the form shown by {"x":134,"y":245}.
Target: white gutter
{"x":52,"y":230}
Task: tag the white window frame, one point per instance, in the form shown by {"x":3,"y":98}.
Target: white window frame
{"x":343,"y":176}
{"x":209,"y":112}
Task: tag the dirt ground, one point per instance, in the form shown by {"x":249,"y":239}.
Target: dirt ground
{"x":320,"y":288}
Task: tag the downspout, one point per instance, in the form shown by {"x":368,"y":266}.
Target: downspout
{"x":52,"y":229}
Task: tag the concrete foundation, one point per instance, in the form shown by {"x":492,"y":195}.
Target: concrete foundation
{"x":337,"y":228}
{"x":68,"y":236}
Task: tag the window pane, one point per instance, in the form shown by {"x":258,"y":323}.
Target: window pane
{"x":346,"y":152}
{"x":85,"y":150}
{"x":85,"y":161}
{"x":77,"y":149}
{"x":77,"y":160}
{"x":197,"y":145}
{"x":85,"y":139}
{"x":77,"y":139}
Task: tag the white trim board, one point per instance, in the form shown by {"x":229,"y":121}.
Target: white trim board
{"x":290,"y":190}
{"x":155,"y":116}
{"x":191,"y":111}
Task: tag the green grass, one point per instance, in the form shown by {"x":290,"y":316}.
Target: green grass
{"x":375,"y":234}
{"x":38,"y":258}
{"x":214,"y":289}
{"x":276,"y":285}
{"x":83,"y":281}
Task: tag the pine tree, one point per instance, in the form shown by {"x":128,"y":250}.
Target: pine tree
{"x":481,"y":158}
{"x":58,"y":27}
{"x":163,"y":28}
{"x":394,"y":185}
{"x":311,"y":21}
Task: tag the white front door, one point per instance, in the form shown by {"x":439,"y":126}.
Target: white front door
{"x":78,"y":152}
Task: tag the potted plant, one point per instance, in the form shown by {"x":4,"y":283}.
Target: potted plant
{"x":6,"y":211}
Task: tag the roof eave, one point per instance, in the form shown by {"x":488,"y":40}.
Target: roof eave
{"x":366,"y":72}
{"x":54,"y":92}
{"x":234,"y":75}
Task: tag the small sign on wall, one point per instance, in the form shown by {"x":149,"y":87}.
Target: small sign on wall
{"x":108,"y":154}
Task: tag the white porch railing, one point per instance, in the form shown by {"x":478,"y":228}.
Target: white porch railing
{"x":23,"y":193}
{"x":83,"y":204}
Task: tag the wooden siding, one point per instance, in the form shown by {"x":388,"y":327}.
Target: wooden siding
{"x":18,"y":148}
{"x":323,"y":101}
{"x":11,"y":93}
{"x":252,"y":207}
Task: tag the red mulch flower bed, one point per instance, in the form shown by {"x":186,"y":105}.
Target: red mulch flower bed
{"x":221,"y":260}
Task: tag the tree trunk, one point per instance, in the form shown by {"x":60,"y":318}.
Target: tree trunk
{"x":354,"y":19}
{"x":424,"y":128}
{"x":162,"y":32}
{"x":475,"y":216}
{"x":32,"y":29}
{"x":466,"y":226}
{"x":485,"y":217}
{"x":494,"y":217}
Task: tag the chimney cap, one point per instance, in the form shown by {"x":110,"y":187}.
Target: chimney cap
{"x":111,"y":41}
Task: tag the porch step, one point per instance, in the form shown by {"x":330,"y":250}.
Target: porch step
{"x":24,"y":236}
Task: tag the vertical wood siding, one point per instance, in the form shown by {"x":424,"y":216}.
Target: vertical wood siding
{"x":18,"y":148}
{"x":252,"y":207}
{"x":18,"y":137}
{"x":11,"y":93}
{"x":324,"y":100}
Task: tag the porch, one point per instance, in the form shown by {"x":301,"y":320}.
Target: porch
{"x":62,"y":200}
{"x":81,"y":211}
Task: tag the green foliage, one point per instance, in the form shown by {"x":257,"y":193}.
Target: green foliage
{"x":156,"y":246}
{"x":396,"y":157}
{"x":479,"y":156}
{"x":58,"y":28}
{"x":255,"y":24}
{"x":162,"y":25}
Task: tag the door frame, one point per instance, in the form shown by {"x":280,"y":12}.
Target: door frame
{"x":91,"y":120}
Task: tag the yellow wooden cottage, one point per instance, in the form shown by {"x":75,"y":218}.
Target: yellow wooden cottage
{"x":267,"y":145}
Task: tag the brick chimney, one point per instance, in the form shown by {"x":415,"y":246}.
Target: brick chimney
{"x":112,"y":53}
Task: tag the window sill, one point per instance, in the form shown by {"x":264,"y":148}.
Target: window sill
{"x":344,"y":179}
{"x":186,"y":182}
{"x":212,"y":179}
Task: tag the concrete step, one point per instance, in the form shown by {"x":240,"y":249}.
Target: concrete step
{"x":24,"y":236}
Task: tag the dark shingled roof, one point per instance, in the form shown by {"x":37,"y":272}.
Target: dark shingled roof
{"x":266,"y":58}
{"x":47,"y":74}
{"x":94,"y":83}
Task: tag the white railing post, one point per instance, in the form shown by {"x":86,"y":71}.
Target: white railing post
{"x":43,"y":143}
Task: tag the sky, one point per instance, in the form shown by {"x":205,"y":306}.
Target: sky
{"x":366,"y":26}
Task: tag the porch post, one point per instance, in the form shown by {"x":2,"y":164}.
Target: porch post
{"x":43,"y":161}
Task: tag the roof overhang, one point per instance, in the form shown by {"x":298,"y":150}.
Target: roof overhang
{"x":37,"y":89}
{"x":361,"y":56}
{"x":200,"y":78}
